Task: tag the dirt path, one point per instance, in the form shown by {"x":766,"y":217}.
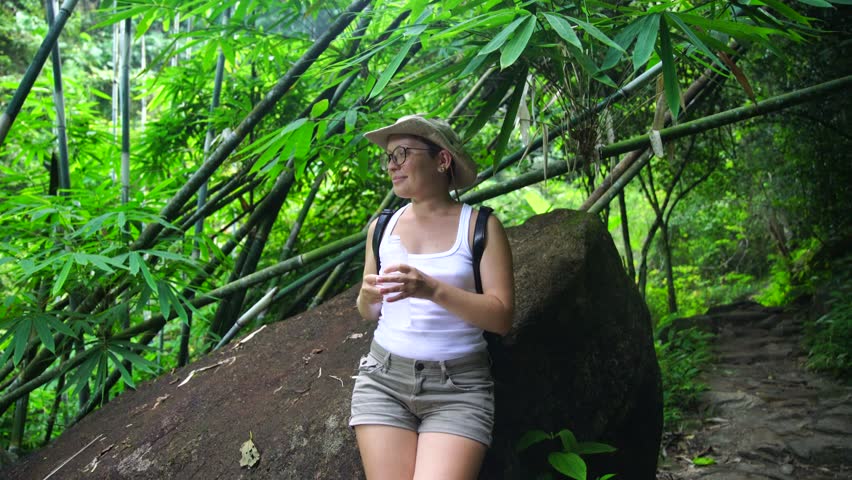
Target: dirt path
{"x":764,"y":416}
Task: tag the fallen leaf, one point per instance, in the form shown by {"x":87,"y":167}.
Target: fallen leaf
{"x":249,"y":454}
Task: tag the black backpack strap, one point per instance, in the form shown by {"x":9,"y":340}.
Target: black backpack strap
{"x":381,"y":225}
{"x":480,"y":237}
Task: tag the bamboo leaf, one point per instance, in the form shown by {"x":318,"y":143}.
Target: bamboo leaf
{"x":22,"y":336}
{"x":624,"y":38}
{"x":509,"y":120}
{"x":646,"y":40}
{"x":165,"y":305}
{"x":81,"y":375}
{"x":735,"y":29}
{"x":517,"y":44}
{"x":786,"y":11}
{"x":739,"y":75}
{"x":672,"y":90}
{"x":694,"y":39}
{"x":474,"y":64}
{"x":59,"y":326}
{"x":569,"y":464}
{"x":63,"y":275}
{"x":122,"y":15}
{"x":177,"y":305}
{"x":149,"y":279}
{"x":563,"y":29}
{"x":125,"y":375}
{"x":44,"y":334}
{"x":593,"y":31}
{"x":319,"y":108}
{"x":490,"y":19}
{"x":124,"y":350}
{"x":135,"y":261}
{"x":500,"y":39}
{"x":817,"y":3}
{"x":391,"y":69}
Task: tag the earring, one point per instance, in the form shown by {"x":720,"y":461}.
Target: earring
{"x":441,"y":169}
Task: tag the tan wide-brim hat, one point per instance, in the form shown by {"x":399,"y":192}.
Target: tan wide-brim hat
{"x":438,"y":132}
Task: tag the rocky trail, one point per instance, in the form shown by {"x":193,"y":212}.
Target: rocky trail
{"x":763,"y":416}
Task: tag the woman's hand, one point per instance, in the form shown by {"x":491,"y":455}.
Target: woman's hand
{"x":410,"y":282}
{"x":370,"y":290}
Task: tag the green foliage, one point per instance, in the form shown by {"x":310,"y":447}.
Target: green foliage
{"x":696,"y":291}
{"x":703,"y":461}
{"x":568,"y":461}
{"x":681,"y":360}
{"x":829,"y":337}
{"x":790,"y":276}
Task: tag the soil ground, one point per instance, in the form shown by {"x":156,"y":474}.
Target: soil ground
{"x":764,"y":416}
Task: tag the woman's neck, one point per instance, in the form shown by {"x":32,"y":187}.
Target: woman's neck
{"x":433,"y":206}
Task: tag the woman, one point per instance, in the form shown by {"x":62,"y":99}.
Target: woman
{"x":423,"y":402}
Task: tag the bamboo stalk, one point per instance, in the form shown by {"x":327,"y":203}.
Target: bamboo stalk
{"x":709,"y":122}
{"x":26,"y":85}
{"x":250,"y":314}
{"x":183,"y":349}
{"x":59,"y":101}
{"x":328,"y":285}
{"x":300,"y":219}
{"x":124,"y":97}
{"x":688,"y":128}
{"x":231,"y":141}
{"x":620,"y":182}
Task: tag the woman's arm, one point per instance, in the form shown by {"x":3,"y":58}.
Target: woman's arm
{"x":492,"y":310}
{"x":369,"y":299}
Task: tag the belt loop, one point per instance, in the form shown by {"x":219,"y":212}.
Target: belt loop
{"x":444,"y":374}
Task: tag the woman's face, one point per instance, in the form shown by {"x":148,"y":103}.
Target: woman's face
{"x":418,"y":176}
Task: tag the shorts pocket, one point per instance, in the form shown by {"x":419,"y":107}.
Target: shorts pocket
{"x":369,"y":364}
{"x":474,"y":380}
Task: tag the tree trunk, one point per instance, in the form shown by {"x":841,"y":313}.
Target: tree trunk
{"x":625,"y":234}
{"x":667,"y":264}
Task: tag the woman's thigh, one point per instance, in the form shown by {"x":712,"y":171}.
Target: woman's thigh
{"x":388,"y":453}
{"x":448,"y":457}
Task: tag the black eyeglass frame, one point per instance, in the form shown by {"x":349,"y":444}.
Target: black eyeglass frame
{"x":388,"y":157}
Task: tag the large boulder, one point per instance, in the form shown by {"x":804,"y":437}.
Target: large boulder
{"x":580,"y":356}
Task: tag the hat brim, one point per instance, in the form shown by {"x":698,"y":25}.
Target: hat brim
{"x":464,"y":171}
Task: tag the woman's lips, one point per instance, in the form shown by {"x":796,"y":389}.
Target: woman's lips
{"x":398,"y":179}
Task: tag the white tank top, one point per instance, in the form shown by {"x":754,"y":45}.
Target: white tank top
{"x":434,"y":333}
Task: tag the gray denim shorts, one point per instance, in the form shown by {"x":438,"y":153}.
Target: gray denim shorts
{"x":452,"y":396}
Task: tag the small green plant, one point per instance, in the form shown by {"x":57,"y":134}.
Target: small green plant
{"x":829,"y":338}
{"x":568,"y":461}
{"x":681,"y":360}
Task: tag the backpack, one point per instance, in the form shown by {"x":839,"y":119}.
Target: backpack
{"x":480,"y":236}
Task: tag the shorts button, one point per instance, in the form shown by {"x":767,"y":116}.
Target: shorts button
{"x":419,"y":366}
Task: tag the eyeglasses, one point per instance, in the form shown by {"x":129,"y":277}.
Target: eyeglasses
{"x":398,"y":156}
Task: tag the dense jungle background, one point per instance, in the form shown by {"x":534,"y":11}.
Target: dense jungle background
{"x":181,"y":170}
